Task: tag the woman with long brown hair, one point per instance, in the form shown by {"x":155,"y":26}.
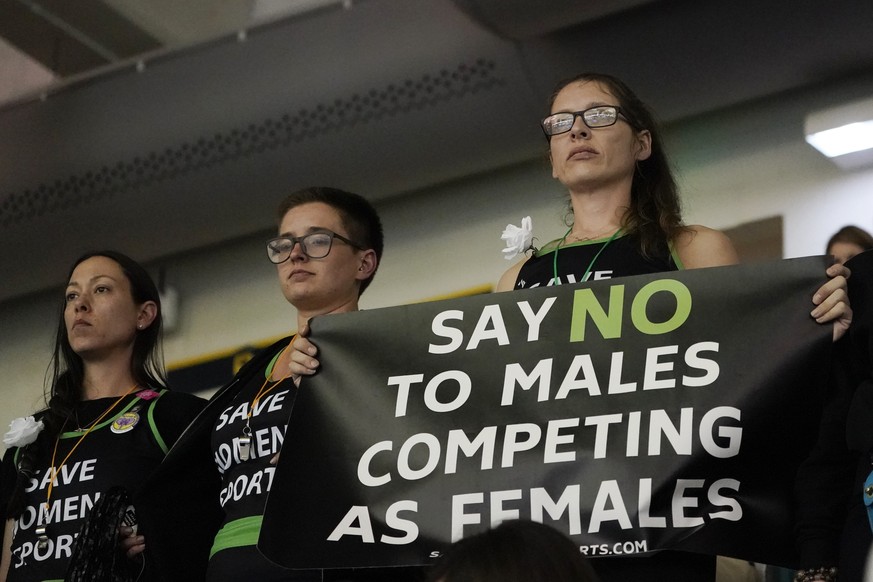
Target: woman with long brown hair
{"x":109,"y":419}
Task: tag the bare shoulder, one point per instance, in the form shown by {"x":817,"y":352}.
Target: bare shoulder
{"x":508,"y":279}
{"x":699,"y":246}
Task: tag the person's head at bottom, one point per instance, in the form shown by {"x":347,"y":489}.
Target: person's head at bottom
{"x":514,"y":551}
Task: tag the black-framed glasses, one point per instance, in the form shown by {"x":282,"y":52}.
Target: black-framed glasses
{"x":315,"y":245}
{"x":593,"y":117}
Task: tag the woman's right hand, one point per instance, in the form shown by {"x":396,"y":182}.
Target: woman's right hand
{"x":302,"y":355}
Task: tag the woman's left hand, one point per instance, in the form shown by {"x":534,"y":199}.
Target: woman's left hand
{"x":132,"y":544}
{"x":832,"y":301}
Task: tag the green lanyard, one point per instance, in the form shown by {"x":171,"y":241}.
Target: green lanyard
{"x":590,"y":265}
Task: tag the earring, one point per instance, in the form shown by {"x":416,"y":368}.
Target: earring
{"x":139,"y":326}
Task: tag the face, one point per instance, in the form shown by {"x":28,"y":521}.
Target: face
{"x":585,"y":158}
{"x":329,"y":284}
{"x":843,"y":251}
{"x":100,"y":315}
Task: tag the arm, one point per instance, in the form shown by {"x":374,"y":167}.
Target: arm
{"x":507,"y":281}
{"x":172,"y":412}
{"x":6,"y":557}
{"x":700,"y":247}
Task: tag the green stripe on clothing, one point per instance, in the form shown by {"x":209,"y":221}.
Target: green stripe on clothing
{"x":240,"y":532}
{"x":150,"y":415}
{"x":676,"y":259}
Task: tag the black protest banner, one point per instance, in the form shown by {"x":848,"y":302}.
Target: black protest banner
{"x":635,"y":414}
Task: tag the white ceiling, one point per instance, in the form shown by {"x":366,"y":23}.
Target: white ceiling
{"x":174,"y":25}
{"x":192,"y":141}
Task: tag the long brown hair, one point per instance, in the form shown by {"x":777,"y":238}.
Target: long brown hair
{"x":67,"y":370}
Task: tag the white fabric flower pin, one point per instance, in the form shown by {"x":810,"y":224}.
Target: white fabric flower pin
{"x":518,"y":239}
{"x":22,"y":431}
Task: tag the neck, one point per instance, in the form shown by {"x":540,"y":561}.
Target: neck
{"x":598,"y":213}
{"x":106,"y":379}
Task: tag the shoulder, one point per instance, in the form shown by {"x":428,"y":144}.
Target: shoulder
{"x":177,"y":407}
{"x":261,"y":359}
{"x":170,"y":414}
{"x":508,"y":279}
{"x":698,"y":246}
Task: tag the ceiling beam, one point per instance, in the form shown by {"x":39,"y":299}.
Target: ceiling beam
{"x":72,"y":37}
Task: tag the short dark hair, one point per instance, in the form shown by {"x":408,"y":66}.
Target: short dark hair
{"x":655,"y":212}
{"x":515,"y":551}
{"x":853,"y":235}
{"x":358,"y":216}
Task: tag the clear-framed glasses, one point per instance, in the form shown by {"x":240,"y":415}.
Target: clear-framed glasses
{"x":315,"y":245}
{"x":593,"y":117}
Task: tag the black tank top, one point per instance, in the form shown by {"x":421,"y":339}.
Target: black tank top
{"x":619,"y":258}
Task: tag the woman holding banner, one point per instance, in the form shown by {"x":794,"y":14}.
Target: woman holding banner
{"x":626,"y":220}
{"x":203,"y":509}
{"x":607,"y":150}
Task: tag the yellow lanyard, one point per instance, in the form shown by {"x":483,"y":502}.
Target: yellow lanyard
{"x":261,"y":392}
{"x":55,"y":471}
{"x":245,"y":441}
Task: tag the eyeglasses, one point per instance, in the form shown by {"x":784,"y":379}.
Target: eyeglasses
{"x":315,"y":245}
{"x":600,"y":116}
